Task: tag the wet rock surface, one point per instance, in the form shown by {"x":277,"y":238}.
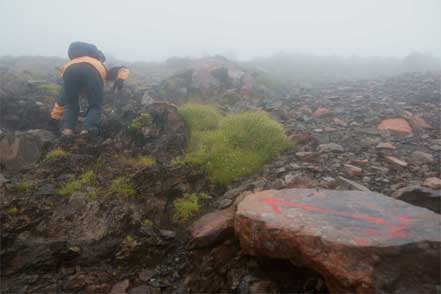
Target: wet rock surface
{"x":23,"y":149}
{"x":335,"y":232}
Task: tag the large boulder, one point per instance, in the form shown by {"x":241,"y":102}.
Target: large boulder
{"x":169,"y":132}
{"x":361,"y":242}
{"x":23,"y":103}
{"x":22,"y":149}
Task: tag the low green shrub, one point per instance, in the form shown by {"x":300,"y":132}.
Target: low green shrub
{"x":187,"y":206}
{"x":148,"y":223}
{"x":22,"y":187}
{"x":139,"y":161}
{"x":145,"y":161}
{"x":122,"y":187}
{"x":256,"y":132}
{"x":12,"y":211}
{"x":77,"y":185}
{"x":142,"y":120}
{"x":200,"y":117}
{"x":240,"y":145}
{"x":50,"y":89}
{"x":56,"y":153}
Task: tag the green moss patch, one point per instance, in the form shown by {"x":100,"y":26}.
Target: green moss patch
{"x":87,"y":179}
{"x":57,"y":153}
{"x":187,"y":206}
{"x":122,"y":186}
{"x":238,"y":146}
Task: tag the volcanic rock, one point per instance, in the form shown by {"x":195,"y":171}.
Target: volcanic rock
{"x":397,"y":126}
{"x":433,"y":183}
{"x":321,"y":111}
{"x":331,"y":147}
{"x":395,"y":161}
{"x":420,"y":158}
{"x":360,"y":242}
{"x":386,"y":145}
{"x":420,"y":196}
{"x":22,"y":149}
{"x":352,"y":171}
{"x":340,"y":122}
{"x":212,"y":228}
{"x":307,"y":156}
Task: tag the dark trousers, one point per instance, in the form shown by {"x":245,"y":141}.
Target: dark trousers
{"x":82,"y":78}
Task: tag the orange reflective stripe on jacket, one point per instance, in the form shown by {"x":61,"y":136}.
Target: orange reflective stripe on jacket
{"x":92,"y":61}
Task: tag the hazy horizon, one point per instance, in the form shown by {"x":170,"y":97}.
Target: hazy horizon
{"x":154,"y":31}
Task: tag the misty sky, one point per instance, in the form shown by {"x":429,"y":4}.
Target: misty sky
{"x":154,"y":30}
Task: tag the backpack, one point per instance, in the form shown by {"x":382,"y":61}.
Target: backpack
{"x":80,"y":49}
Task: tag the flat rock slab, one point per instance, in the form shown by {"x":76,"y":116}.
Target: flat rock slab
{"x":359,"y":241}
{"x":397,"y":126}
{"x":212,"y":228}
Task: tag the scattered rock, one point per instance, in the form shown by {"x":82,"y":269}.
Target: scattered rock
{"x":328,"y":183}
{"x":386,"y":145}
{"x":353,"y":184}
{"x":307,"y":156}
{"x":416,"y":121}
{"x":340,"y":122}
{"x":335,"y":232}
{"x":261,"y":287}
{"x":420,"y":158}
{"x":321,"y":111}
{"x":433,"y":183}
{"x":397,"y":126}
{"x":212,"y":228}
{"x":331,"y":147}
{"x":352,"y":171}
{"x":120,"y":287}
{"x":435,"y":147}
{"x":3,"y":180}
{"x":224,"y":203}
{"x":395,"y":161}
{"x":167,"y":234}
{"x":420,"y":196}
{"x":144,"y":290}
{"x":145,"y":275}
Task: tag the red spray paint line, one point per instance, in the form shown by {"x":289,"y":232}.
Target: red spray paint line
{"x":385,"y":228}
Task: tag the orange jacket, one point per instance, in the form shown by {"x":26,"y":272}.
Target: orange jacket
{"x":101,"y":69}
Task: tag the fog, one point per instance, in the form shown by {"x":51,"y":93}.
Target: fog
{"x":156,"y":30}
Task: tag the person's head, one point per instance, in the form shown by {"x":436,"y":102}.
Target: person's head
{"x":114,"y":73}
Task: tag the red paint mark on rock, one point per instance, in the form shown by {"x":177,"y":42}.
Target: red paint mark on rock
{"x":385,"y":228}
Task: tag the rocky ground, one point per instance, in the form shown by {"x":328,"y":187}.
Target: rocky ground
{"x":379,"y":135}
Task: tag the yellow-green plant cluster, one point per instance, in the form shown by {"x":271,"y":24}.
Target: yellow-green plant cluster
{"x":187,"y":206}
{"x":142,"y":120}
{"x":122,"y":187}
{"x":21,"y":187}
{"x":12,"y":211}
{"x":145,"y":161}
{"x":50,"y":89}
{"x":200,"y":117}
{"x":139,"y":161}
{"x":56,"y":153}
{"x":87,"y":179}
{"x":239,"y":146}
